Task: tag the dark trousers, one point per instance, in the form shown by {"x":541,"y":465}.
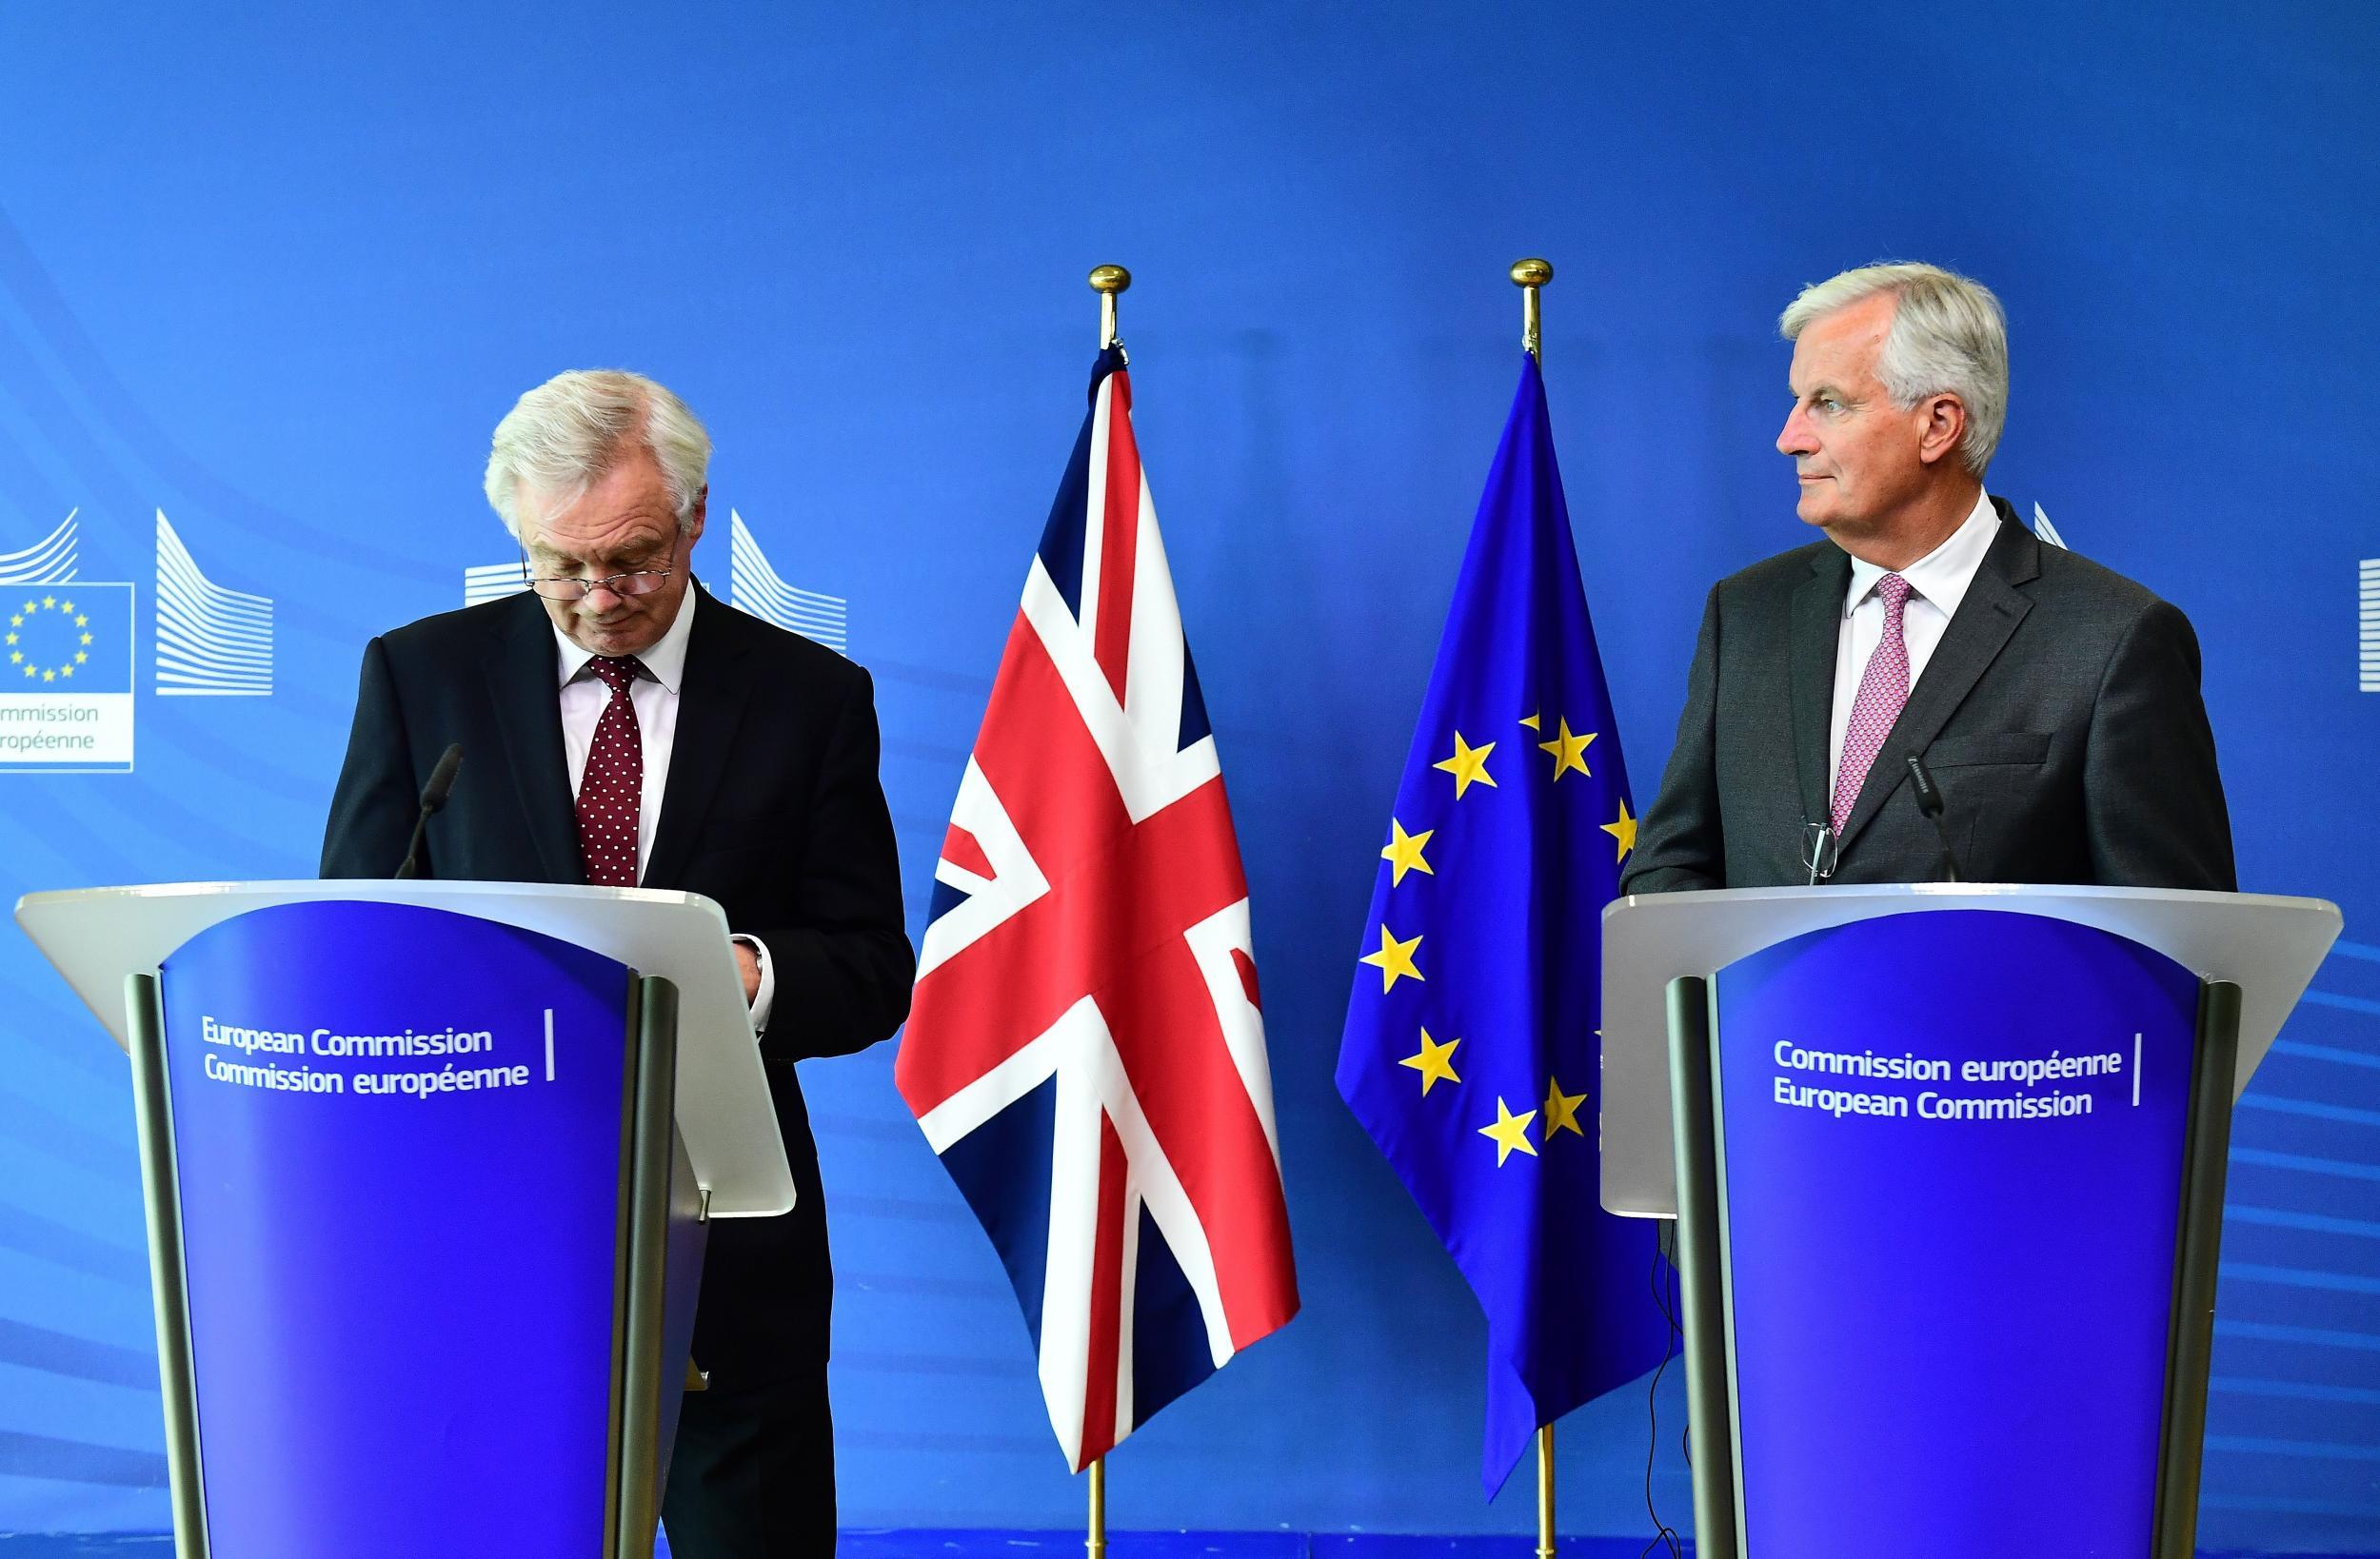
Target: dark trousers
{"x":753,"y":1472}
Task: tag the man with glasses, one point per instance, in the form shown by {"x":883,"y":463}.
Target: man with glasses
{"x":625,"y":728}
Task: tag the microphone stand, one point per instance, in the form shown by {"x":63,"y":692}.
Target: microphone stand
{"x":1929,"y":802}
{"x":433,"y":796}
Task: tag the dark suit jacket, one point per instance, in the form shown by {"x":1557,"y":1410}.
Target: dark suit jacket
{"x":2060,"y":716}
{"x":772,"y":808}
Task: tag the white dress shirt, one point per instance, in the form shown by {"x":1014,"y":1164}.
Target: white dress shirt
{"x":1937,"y":583}
{"x":654,"y":696}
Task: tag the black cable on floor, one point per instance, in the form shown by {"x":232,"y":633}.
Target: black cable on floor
{"x":1665,"y":1537}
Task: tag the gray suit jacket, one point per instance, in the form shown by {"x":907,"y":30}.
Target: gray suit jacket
{"x":2060,"y":716}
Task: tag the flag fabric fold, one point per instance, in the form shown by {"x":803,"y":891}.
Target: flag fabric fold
{"x":1086,"y":1048}
{"x":1470,"y":1053}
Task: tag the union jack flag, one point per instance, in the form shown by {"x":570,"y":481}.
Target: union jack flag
{"x":1085,"y":1051}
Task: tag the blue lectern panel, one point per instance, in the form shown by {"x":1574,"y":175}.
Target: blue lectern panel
{"x":400,"y":1206}
{"x":1952,"y":1154}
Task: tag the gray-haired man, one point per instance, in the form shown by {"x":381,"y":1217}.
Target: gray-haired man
{"x":2056,"y":703}
{"x":627,"y":729}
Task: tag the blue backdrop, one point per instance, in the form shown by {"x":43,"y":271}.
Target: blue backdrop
{"x":269,"y":276}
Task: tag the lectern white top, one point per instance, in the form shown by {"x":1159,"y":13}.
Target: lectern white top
{"x":2268,"y":946}
{"x":98,"y":935}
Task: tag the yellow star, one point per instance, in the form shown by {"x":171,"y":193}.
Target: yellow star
{"x":86,"y":639}
{"x":30,"y":607}
{"x":11,"y":639}
{"x":67,"y":607}
{"x":1624,"y":831}
{"x":81,"y":622}
{"x":1568,"y":751}
{"x":16,"y":658}
{"x":1532,"y":724}
{"x":1511,"y":1133}
{"x":66,"y":671}
{"x":17,"y":620}
{"x":1394,"y":960}
{"x":1468,"y":764}
{"x":1404,"y":852}
{"x":48,"y":675}
{"x":28,"y":671}
{"x":1562,"y":1109}
{"x":47,"y":602}
{"x":81,"y":656}
{"x":1435,"y":1062}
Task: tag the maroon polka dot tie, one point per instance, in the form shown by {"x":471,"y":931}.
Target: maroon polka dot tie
{"x":613,"y":786}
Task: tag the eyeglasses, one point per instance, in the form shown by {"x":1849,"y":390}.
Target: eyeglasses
{"x":641,"y":582}
{"x":1820,"y":851}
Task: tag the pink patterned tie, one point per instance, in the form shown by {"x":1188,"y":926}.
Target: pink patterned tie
{"x":613,"y":786}
{"x":1883,"y":688}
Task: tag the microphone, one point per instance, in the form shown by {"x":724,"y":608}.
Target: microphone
{"x":433,"y":796}
{"x":1929,"y":802}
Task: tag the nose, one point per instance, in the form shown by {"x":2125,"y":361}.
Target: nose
{"x":1794,"y":437}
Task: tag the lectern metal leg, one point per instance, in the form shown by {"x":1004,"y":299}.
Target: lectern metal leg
{"x":161,"y":1198}
{"x":2197,"y":1249}
{"x":1710,"y":1417}
{"x":643,"y":1389}
{"x":689,"y":1237}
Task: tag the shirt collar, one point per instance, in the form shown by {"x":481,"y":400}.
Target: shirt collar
{"x":1942,"y":575}
{"x":665,"y":662}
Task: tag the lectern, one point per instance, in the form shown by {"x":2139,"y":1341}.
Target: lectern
{"x":427,"y":1168}
{"x":1947,"y":1163}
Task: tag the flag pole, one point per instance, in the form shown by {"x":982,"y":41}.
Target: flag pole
{"x":1107,"y":281}
{"x":1528,"y":275}
{"x":1545,"y":1491}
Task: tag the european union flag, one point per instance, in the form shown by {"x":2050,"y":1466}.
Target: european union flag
{"x":1471,"y":1054}
{"x":67,"y":638}
{"x":66,"y":677}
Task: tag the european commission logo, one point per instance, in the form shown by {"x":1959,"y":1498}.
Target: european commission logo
{"x":753,"y":585}
{"x":68,"y":654}
{"x":2368,"y":624}
{"x":66,"y":663}
{"x":493,"y":581}
{"x":49,"y":560}
{"x":211,"y":641}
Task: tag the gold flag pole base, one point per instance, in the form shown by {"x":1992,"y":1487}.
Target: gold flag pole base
{"x":1545,"y":1491}
{"x":1096,"y":1542}
{"x":1529,"y":275}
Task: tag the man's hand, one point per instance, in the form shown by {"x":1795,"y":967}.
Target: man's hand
{"x":748,"y":964}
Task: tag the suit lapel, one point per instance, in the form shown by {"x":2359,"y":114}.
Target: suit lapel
{"x":1817,"y":622}
{"x":529,"y":713}
{"x":711,"y":696}
{"x":1973,"y":640}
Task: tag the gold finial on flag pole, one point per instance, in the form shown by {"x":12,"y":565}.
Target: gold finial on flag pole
{"x":1529,"y":275}
{"x":1107,"y":281}
{"x":1545,"y":1431}
{"x":1097,"y":1542}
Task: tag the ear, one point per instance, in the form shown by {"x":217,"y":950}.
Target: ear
{"x":1944,"y":423}
{"x":702,"y":506}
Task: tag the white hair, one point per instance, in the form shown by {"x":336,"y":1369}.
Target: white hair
{"x":1948,"y":337}
{"x":569,"y":432}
